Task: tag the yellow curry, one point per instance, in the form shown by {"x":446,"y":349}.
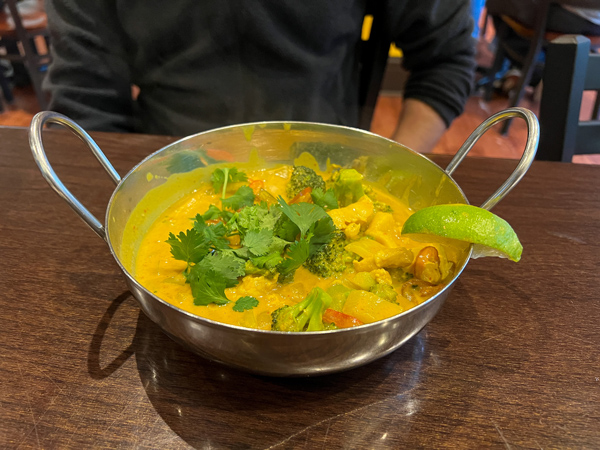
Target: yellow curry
{"x":289,"y":248}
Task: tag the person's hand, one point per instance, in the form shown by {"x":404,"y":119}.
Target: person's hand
{"x":419,"y":126}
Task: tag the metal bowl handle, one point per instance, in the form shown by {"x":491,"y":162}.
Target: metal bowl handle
{"x":533,"y":137}
{"x":39,"y":154}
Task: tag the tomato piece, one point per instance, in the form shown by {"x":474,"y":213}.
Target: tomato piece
{"x":340,"y":319}
{"x":303,"y":196}
{"x":256,"y":185}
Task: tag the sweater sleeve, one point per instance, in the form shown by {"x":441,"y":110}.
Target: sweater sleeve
{"x":89,"y":79}
{"x":439,"y":52}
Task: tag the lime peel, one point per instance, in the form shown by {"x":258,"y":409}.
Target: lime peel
{"x":490,"y":234}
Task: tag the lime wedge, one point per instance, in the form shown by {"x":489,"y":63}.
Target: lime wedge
{"x":490,"y":234}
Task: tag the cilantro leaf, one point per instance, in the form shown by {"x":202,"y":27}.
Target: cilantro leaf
{"x":212,"y":213}
{"x":244,"y":196}
{"x":278,"y":245}
{"x":214,"y":234}
{"x":221,"y":177}
{"x":322,"y":232}
{"x":268,"y":261}
{"x":211,"y":276}
{"x":224,"y":263}
{"x":190,"y":246}
{"x":241,"y":252}
{"x":273,"y":255}
{"x":286,"y":229}
{"x":255,"y":217}
{"x":207,"y":286}
{"x":295,"y":257}
{"x":304,"y":215}
{"x":245,"y":303}
{"x":258,"y":242}
{"x":326,"y":200}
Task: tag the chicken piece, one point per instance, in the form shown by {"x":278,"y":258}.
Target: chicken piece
{"x":365,"y":265}
{"x":383,"y":229}
{"x":388,"y":258}
{"x":392,"y":258}
{"x":382,"y":276}
{"x":351,"y":231}
{"x":361,"y":280}
{"x":360,"y":212}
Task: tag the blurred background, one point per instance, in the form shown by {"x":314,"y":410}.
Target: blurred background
{"x":25,"y":52}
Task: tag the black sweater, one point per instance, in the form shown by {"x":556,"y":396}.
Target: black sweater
{"x":205,"y":64}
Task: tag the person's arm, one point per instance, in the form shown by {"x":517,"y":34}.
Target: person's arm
{"x":439,"y":53}
{"x":419,"y":127}
{"x":89,"y":79}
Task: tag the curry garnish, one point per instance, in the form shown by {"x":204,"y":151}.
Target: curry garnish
{"x":274,"y":239}
{"x":245,"y":303}
{"x":221,"y":177}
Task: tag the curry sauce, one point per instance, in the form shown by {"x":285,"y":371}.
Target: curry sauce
{"x":386,"y":273}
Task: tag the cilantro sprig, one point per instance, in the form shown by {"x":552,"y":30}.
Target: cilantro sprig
{"x":312,"y":228}
{"x":274,"y":240}
{"x":221,"y":177}
{"x":243,"y":197}
{"x":211,"y":276}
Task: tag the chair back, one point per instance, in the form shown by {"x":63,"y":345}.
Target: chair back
{"x":24,"y":49}
{"x":570,"y":69}
{"x":538,"y":38}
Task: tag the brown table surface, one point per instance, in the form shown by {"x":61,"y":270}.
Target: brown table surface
{"x":511,"y":361}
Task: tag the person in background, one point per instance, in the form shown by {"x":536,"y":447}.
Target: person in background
{"x":205,"y":64}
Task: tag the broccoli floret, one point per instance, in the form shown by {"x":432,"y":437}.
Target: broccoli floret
{"x":331,"y":258}
{"x":303,"y":177}
{"x":400,"y":274}
{"x":251,"y":269}
{"x":377,"y":205}
{"x":348,"y":186}
{"x":385,"y":291}
{"x":339,"y":294}
{"x":304,"y":316}
{"x":383,"y":207}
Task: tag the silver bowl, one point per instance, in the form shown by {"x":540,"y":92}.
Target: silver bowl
{"x":421,"y":181}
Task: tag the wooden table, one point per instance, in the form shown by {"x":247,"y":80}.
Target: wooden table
{"x":511,"y":361}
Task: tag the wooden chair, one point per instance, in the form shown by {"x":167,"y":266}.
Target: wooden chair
{"x":26,"y":51}
{"x":570,"y":69}
{"x":539,"y":37}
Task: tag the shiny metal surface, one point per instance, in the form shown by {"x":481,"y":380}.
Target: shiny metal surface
{"x":533,"y":137}
{"x":39,"y":155}
{"x":420,"y":182}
